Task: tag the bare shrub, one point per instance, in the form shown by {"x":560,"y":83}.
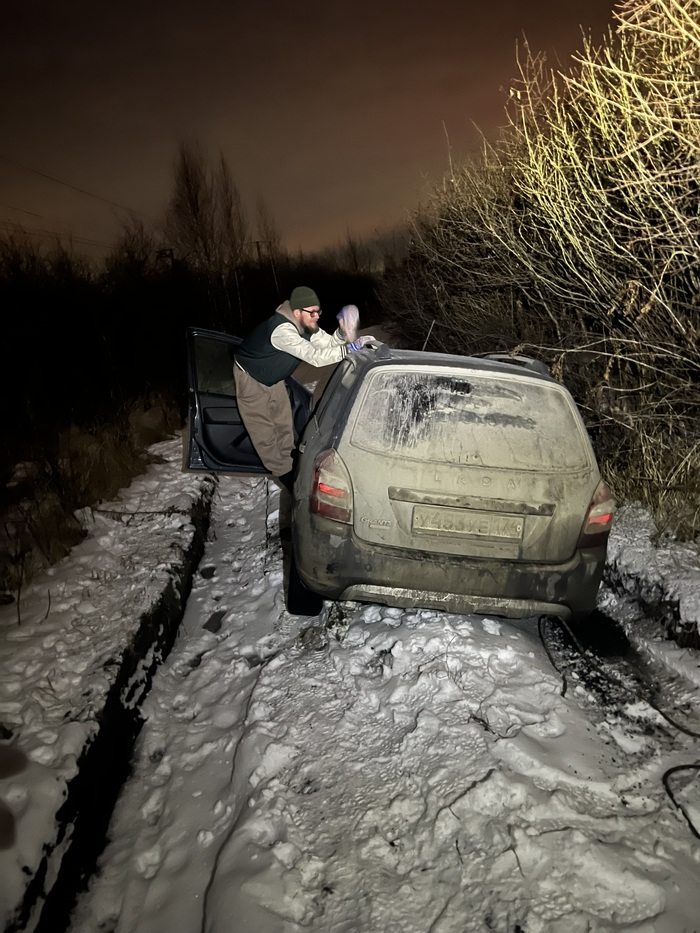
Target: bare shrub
{"x":459,"y":283}
{"x":575,"y":238}
{"x":135,"y":249}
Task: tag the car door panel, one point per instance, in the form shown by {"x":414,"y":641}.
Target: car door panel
{"x":224,"y":441}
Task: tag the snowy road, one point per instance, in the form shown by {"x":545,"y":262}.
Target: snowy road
{"x":388,"y":770}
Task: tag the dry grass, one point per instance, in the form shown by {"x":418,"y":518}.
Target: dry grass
{"x":78,"y":468}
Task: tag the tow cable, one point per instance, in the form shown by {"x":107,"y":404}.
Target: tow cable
{"x":606,"y":674}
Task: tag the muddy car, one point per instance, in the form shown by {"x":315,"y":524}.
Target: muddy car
{"x":440,"y":481}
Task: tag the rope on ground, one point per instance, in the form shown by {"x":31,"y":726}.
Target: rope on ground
{"x":606,"y":674}
{"x":676,"y":803}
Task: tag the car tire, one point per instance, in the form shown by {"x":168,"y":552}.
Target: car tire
{"x":301,"y":601}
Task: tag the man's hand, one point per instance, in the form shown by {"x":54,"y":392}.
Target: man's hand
{"x":361,"y":342}
{"x":349,"y":320}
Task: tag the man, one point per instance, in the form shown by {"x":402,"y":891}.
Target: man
{"x":270,"y":353}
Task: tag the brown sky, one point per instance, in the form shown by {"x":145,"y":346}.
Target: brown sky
{"x":337,"y":113}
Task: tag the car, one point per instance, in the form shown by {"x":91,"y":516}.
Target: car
{"x":432,"y":480}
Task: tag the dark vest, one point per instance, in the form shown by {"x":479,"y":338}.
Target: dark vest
{"x":260,"y":359}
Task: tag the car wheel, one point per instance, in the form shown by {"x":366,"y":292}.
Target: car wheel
{"x":300,"y":600}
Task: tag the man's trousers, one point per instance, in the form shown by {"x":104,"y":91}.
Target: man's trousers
{"x":267,"y":415}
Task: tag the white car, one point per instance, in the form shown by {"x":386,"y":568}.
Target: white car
{"x":440,"y":481}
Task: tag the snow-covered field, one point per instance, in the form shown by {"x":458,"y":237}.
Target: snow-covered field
{"x":378,"y":769}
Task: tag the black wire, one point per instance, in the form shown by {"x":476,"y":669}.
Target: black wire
{"x":591,"y":658}
{"x":67,"y":184}
{"x":21,"y":209}
{"x":670,"y":793}
{"x":606,"y":674}
{"x":44,"y":233}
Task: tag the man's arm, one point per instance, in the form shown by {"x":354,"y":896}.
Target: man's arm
{"x":322,"y":350}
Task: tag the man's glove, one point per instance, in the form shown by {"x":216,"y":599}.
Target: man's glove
{"x":360,"y":343}
{"x":349,"y":320}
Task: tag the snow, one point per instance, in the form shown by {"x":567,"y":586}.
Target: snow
{"x":671,"y":569}
{"x":374,"y":769}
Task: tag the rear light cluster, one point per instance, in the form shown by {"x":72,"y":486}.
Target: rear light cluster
{"x":599,"y":518}
{"x":331,"y":493}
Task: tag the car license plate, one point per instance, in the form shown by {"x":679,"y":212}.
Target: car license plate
{"x":437,"y":520}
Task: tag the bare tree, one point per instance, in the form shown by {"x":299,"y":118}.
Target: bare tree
{"x":206,"y":221}
{"x":190,"y":225}
{"x":576,"y":235}
{"x":206,"y":224}
{"x":357,"y":256}
{"x":232,"y":226}
{"x":269,"y":239}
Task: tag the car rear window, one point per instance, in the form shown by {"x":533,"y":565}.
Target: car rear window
{"x":471,"y":417}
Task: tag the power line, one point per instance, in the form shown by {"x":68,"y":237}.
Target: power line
{"x":44,"y":234}
{"x":23,"y":211}
{"x":67,"y":184}
{"x":66,"y":232}
{"x":50,"y":232}
{"x":50,"y":227}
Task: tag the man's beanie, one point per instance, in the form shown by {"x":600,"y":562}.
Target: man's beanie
{"x":303,"y":297}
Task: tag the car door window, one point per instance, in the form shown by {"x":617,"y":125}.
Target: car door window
{"x":214,"y":366}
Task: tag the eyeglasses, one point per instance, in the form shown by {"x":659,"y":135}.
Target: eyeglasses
{"x":312,"y":313}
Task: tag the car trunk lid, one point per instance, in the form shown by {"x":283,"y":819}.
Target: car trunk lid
{"x":471,"y":463}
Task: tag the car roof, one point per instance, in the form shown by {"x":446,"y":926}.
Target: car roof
{"x":494,"y":363}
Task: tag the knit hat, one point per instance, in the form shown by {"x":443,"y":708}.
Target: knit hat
{"x":303,"y":297}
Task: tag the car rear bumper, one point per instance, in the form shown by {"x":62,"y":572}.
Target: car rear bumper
{"x":333,"y":562}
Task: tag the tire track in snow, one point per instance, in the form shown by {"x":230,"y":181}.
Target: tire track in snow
{"x":402,"y":771}
{"x":423,"y":779}
{"x":183,"y":774}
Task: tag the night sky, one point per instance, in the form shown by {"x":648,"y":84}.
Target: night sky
{"x":337,"y":114}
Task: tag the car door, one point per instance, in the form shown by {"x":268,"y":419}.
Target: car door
{"x":217,"y":439}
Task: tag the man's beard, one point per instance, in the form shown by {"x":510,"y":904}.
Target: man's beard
{"x":311,"y":329}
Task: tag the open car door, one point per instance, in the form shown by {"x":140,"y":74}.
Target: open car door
{"x":217,"y":441}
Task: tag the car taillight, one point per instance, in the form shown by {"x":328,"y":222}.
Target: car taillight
{"x":331,"y":493}
{"x":599,"y":518}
